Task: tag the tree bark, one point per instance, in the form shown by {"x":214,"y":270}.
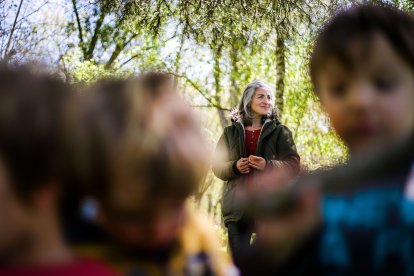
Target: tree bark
{"x":217,"y":52}
{"x":120,"y":46}
{"x":234,"y":88}
{"x":280,"y":72}
{"x":95,"y":37}
{"x":80,"y":31}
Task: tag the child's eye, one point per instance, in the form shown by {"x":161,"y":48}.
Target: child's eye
{"x":384,"y":84}
{"x":338,"y":90}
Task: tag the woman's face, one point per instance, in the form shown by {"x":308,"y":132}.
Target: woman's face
{"x":372,"y":104}
{"x":261,"y":102}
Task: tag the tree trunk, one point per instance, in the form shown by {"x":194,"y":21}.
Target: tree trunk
{"x":95,"y":37}
{"x":121,"y":43}
{"x":234,"y":88}
{"x":80,"y":31}
{"x":223,"y":118}
{"x":118,"y":49}
{"x":280,"y":72}
{"x":217,"y":52}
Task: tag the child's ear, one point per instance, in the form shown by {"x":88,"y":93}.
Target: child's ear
{"x":47,"y":196}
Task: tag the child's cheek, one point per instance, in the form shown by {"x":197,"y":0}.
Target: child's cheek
{"x":398,"y":113}
{"x":337,"y":117}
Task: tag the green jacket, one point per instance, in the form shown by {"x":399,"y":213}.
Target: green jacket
{"x":275,"y":144}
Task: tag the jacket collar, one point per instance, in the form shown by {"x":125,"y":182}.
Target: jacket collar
{"x":239,"y":122}
{"x":268,"y":126}
{"x":240,"y":126}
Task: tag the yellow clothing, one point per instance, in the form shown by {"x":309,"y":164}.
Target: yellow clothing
{"x":198,"y":236}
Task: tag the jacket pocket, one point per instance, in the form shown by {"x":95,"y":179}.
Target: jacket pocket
{"x":229,"y":202}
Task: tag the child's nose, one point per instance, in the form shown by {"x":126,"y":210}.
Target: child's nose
{"x":361,"y":96}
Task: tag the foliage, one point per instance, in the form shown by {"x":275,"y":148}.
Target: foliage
{"x":20,"y":34}
{"x":317,"y":143}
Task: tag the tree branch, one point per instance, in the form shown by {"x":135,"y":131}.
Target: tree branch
{"x":198,"y":89}
{"x":210,"y":106}
{"x":33,"y":12}
{"x":118,"y":48}
{"x":82,"y":44}
{"x":12,"y":31}
{"x":144,"y":49}
{"x":95,"y":36}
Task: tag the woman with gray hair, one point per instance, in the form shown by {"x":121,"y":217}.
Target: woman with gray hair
{"x":256,"y":140}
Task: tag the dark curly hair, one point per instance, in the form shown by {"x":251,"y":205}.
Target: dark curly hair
{"x":361,"y":23}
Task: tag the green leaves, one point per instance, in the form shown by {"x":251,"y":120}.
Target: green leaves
{"x":317,"y":143}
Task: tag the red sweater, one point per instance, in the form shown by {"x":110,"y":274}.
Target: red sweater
{"x":252,"y":138}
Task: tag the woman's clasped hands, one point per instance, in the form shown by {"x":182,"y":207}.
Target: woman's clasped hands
{"x":245,"y":164}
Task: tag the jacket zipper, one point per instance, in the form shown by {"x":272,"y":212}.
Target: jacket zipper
{"x":244,"y":140}
{"x":260,"y":135}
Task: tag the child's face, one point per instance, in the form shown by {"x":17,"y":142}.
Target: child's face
{"x":134,"y":215}
{"x":372,"y":104}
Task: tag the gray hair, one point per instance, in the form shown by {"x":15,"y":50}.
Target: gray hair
{"x":244,"y":109}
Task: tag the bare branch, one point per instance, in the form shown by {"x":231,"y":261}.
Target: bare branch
{"x":198,"y":89}
{"x":35,"y":11}
{"x":144,"y":49}
{"x":210,"y":106}
{"x":12,"y":31}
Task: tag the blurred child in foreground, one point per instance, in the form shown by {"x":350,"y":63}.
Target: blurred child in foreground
{"x":362,"y":69}
{"x":31,"y":178}
{"x":141,"y":155}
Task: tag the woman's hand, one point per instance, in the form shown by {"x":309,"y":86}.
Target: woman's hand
{"x":243,"y":165}
{"x":257,"y":162}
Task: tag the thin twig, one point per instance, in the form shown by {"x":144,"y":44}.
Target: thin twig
{"x":12,"y":30}
{"x":197,"y":88}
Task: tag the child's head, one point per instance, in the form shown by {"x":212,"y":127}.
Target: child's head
{"x":147,"y":155}
{"x":31,"y":108}
{"x":362,"y":69}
